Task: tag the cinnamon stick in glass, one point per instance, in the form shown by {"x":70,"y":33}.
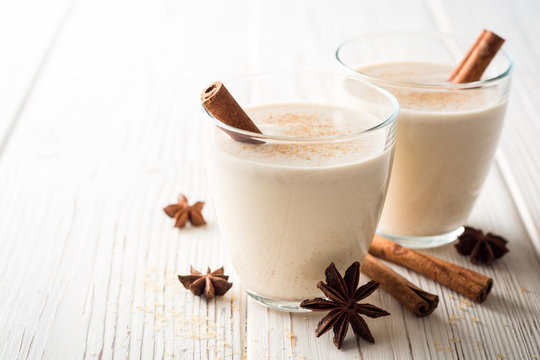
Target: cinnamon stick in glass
{"x":477,"y":59}
{"x":466,"y":282}
{"x":221,"y":104}
{"x":419,"y":302}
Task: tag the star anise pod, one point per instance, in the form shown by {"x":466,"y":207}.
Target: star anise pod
{"x":343,"y":296}
{"x":182,"y":212}
{"x":481,"y":247}
{"x":210,"y":284}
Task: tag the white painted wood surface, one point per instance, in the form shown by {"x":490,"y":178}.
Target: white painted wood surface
{"x":99,"y":129}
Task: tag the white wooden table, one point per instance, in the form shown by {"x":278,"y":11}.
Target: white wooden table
{"x":99,"y":129}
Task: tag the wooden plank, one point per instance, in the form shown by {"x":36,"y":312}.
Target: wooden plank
{"x":109,"y":137}
{"x":29,"y":30}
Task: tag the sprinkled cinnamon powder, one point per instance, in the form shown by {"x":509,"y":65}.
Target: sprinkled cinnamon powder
{"x":428,"y":98}
{"x":301,"y":120}
{"x":424,"y":100}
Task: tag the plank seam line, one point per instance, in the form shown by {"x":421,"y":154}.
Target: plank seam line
{"x":519,"y":201}
{"x":35,"y":77}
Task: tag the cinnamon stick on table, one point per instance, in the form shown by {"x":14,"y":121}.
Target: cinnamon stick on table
{"x":466,"y":282}
{"x":221,"y":104}
{"x":477,"y":58}
{"x":418,"y":301}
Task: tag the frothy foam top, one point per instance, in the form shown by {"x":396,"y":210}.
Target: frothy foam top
{"x":411,"y":98}
{"x":307,"y":120}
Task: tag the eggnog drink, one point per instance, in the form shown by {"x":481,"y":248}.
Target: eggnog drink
{"x":445,"y":146}
{"x":289,"y":208}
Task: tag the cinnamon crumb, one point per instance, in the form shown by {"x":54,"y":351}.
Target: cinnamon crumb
{"x":293,"y":338}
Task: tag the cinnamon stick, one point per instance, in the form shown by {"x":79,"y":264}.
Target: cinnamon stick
{"x":466,"y":282}
{"x":418,"y":301}
{"x":477,"y":59}
{"x":221,"y":104}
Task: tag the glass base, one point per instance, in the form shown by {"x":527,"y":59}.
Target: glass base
{"x":281,"y":305}
{"x":424,"y":242}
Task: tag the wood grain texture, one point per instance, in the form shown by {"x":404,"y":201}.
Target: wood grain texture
{"x":104,"y":98}
{"x":29,"y":30}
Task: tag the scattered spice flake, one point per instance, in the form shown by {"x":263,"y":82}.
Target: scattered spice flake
{"x":522,"y":288}
{"x":453,"y":340}
{"x":466,"y":302}
{"x":499,"y":356}
{"x":293,"y":338}
{"x":474,"y":319}
{"x":479,"y":343}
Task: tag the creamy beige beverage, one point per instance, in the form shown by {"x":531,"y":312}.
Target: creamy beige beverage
{"x":445,"y":145}
{"x":288,"y":210}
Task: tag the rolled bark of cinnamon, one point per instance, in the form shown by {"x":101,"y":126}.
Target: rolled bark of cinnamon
{"x":221,"y":104}
{"x":418,"y":301}
{"x":466,"y":282}
{"x":477,"y":59}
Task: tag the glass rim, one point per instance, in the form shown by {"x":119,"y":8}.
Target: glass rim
{"x":411,"y":33}
{"x":311,"y":139}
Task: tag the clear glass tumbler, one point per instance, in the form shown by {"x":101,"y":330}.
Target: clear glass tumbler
{"x":310,"y":190}
{"x":447,"y":135}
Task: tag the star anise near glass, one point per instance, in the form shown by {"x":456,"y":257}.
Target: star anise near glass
{"x":480,"y":246}
{"x":343,"y":296}
{"x":182,"y":212}
{"x":210,"y":284}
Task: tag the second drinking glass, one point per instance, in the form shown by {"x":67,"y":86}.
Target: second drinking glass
{"x":447,"y":136}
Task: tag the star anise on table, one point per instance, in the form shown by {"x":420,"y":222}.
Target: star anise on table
{"x":182,"y":212}
{"x":480,"y":246}
{"x":210,"y":284}
{"x":343,"y":296}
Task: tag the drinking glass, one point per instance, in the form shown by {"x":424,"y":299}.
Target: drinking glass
{"x":447,"y":134}
{"x":288,"y":206}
